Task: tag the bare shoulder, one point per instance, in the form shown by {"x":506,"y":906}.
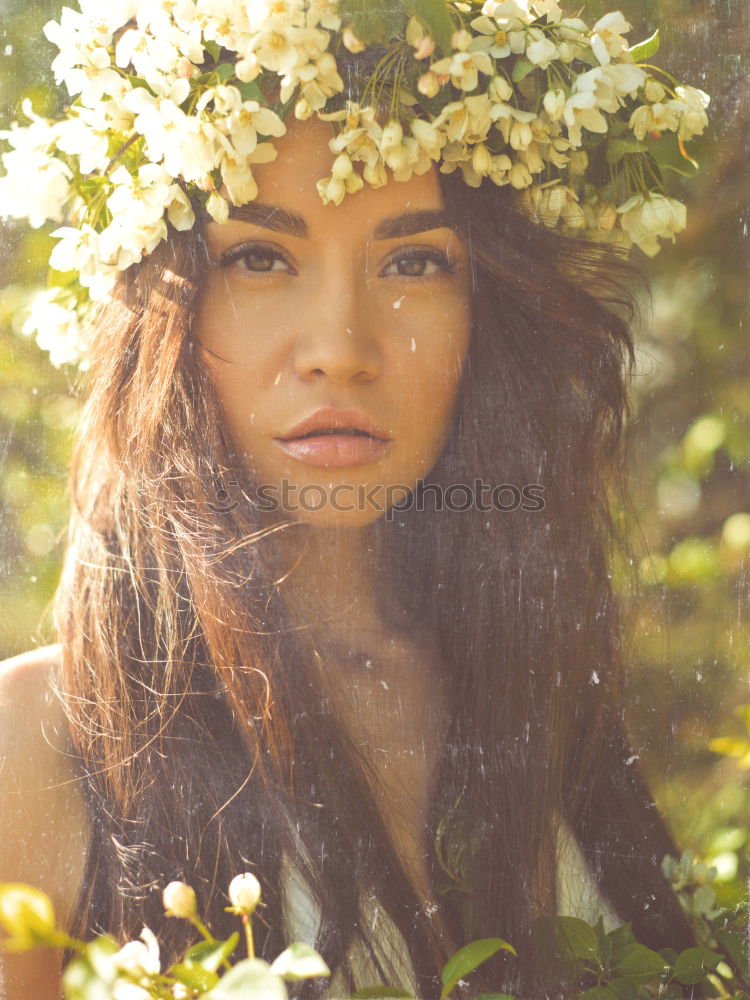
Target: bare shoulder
{"x":42,"y":810}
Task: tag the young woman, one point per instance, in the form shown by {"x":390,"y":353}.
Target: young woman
{"x":337,"y":603}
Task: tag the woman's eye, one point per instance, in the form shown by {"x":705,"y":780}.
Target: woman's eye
{"x":421,"y":264}
{"x":262,"y":259}
{"x":255,"y":258}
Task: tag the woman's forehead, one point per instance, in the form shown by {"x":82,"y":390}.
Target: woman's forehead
{"x":304,"y":158}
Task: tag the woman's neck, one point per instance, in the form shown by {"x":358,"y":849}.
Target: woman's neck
{"x":329,"y":580}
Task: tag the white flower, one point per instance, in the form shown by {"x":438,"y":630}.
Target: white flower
{"x":507,"y":13}
{"x":76,"y":137}
{"x":139,"y":959}
{"x":610,"y":84}
{"x":540,"y":49}
{"x":217,"y":207}
{"x":549,"y":7}
{"x":519,"y":176}
{"x":500,"y":169}
{"x":138,"y":206}
{"x":554,"y":102}
{"x":654,"y":91}
{"x":469,"y":58}
{"x":51,"y":315}
{"x":655,"y":118}
{"x":499,"y":46}
{"x":499,"y":90}
{"x":238,"y":179}
{"x":581,"y":111}
{"x":317,"y":80}
{"x":84,"y":64}
{"x":244,"y":892}
{"x":520,"y":135}
{"x":428,"y":136}
{"x":468,"y":120}
{"x":179,"y":900}
{"x":78,"y":249}
{"x":644,"y":217}
{"x":189,"y":146}
{"x":36,"y":185}
{"x":544,"y":204}
{"x":693,"y":119}
{"x":606,"y":38}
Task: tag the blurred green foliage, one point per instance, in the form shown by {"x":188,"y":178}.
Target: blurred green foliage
{"x":689,"y":634}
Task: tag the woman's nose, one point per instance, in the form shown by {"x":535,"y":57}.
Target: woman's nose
{"x":339,"y":345}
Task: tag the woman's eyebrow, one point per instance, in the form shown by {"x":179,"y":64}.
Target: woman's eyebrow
{"x":282,"y":220}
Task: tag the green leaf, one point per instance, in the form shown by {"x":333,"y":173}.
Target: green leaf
{"x":576,"y":939}
{"x":621,"y":936}
{"x":667,"y":155}
{"x":435,"y":17}
{"x":694,"y":964}
{"x":521,"y":69}
{"x":194,"y":976}
{"x":638,"y":960}
{"x":213,"y":49}
{"x":210,"y":955}
{"x":27,"y":915}
{"x":252,"y":976}
{"x":736,"y":947}
{"x":645,"y":49}
{"x":600,"y":993}
{"x":250,"y":91}
{"x":373,"y":22}
{"x":624,"y":988}
{"x":299,"y":961}
{"x":466,"y":959}
{"x":224,"y":71}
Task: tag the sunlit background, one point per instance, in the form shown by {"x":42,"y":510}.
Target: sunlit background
{"x":689,"y":637}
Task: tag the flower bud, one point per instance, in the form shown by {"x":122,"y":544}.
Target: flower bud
{"x":244,"y":893}
{"x":342,"y":167}
{"x":428,"y":84}
{"x":179,"y":900}
{"x":217,"y":207}
{"x":654,"y":91}
{"x":425,"y":48}
{"x":351,"y":41}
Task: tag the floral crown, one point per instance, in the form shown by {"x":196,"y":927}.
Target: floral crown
{"x":174,"y":101}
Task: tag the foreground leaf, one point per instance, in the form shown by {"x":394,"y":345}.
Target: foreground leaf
{"x":576,"y":939}
{"x":694,"y":964}
{"x":251,"y":977}
{"x":27,"y":915}
{"x":466,"y":959}
{"x":645,"y":49}
{"x":299,"y":961}
{"x":210,"y":955}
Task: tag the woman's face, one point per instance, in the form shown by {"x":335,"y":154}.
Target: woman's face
{"x":361,"y":307}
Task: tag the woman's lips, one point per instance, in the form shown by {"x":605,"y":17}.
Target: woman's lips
{"x":338,"y":450}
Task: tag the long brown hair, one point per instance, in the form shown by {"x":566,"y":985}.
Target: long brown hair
{"x":205,"y":744}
